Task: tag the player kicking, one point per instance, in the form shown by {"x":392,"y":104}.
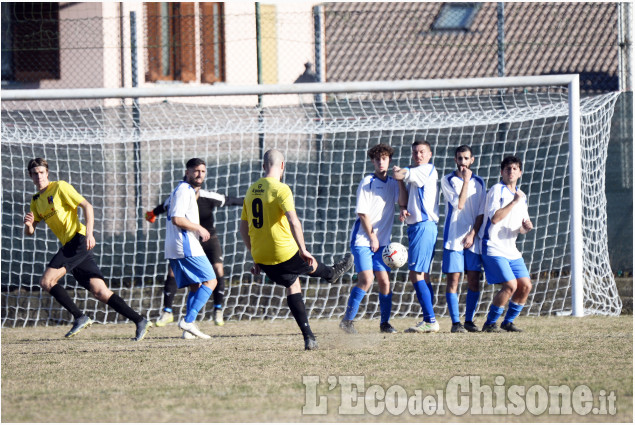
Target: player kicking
{"x":507,"y":216}
{"x":465,"y":195}
{"x":272,"y":232}
{"x":206,"y":201}
{"x":422,"y":216}
{"x":56,"y":203}
{"x":377,"y":195}
{"x":187,"y":258}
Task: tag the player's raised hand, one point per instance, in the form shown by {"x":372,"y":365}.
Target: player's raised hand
{"x":29,"y":219}
{"x":519,"y":196}
{"x":466,"y":173}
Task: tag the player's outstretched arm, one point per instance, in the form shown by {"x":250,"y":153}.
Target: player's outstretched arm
{"x":89,"y":216}
{"x":298,"y":235}
{"x":151,"y":216}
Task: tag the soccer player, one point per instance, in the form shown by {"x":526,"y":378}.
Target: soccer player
{"x":206,"y":202}
{"x":273,"y":234}
{"x":421,"y":214}
{"x":506,"y":217}
{"x":56,"y":204}
{"x":464,"y":193}
{"x":377,"y":195}
{"x":188,"y":261}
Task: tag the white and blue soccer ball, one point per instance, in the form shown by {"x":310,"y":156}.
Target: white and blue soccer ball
{"x":395,"y":255}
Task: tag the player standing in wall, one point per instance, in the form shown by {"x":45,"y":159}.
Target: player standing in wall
{"x":377,"y":195}
{"x":206,"y":202}
{"x":272,"y":232}
{"x":182,"y":247}
{"x":56,"y":203}
{"x":465,"y":194}
{"x":507,"y":216}
{"x":422,"y":216}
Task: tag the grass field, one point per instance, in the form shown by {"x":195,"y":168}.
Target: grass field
{"x":253,"y":371}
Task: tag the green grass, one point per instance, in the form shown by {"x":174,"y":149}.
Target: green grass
{"x":252,"y":371}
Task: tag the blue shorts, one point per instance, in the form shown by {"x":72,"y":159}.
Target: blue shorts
{"x":365,"y":259}
{"x":191,"y":270}
{"x":501,"y":270}
{"x":460,"y":261}
{"x":422,"y":237}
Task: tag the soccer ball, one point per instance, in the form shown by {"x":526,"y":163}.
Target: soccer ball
{"x":395,"y":255}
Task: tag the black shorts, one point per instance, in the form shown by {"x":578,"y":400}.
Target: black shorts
{"x":212,"y":250}
{"x":287,"y":272}
{"x":77,"y":259}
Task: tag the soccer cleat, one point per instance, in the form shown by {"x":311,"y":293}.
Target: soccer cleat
{"x":471,"y":327}
{"x":424,"y":327}
{"x":142,"y":329}
{"x":341,"y":267}
{"x":491,"y":328}
{"x":510,"y":327}
{"x":187,"y":335}
{"x":218,"y":317}
{"x":310,"y":343}
{"x":458,"y":328}
{"x":347,"y":326}
{"x":165,"y":318}
{"x":80,"y":323}
{"x":387,"y":328}
{"x":193,"y":329}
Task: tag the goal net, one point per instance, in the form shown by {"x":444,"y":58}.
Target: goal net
{"x":126,"y":156}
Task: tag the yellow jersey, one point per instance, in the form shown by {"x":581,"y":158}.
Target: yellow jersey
{"x":57,"y":206}
{"x":264,"y":208}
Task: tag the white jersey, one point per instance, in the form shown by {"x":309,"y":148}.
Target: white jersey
{"x":458,"y":223}
{"x":499,"y":240}
{"x":423,"y":194}
{"x":376,"y":199}
{"x":180,"y":243}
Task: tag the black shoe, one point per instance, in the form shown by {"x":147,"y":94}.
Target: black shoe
{"x":471,"y":327}
{"x":491,"y":328}
{"x":387,"y":328}
{"x":142,"y":330}
{"x":458,"y":328}
{"x":510,"y":327}
{"x":310,"y":343}
{"x":347,"y":326}
{"x":82,"y":322}
{"x":341,"y":267}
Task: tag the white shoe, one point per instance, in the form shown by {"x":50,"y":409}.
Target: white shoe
{"x":187,"y":335}
{"x":193,"y":329}
{"x":218,"y":317}
{"x":424,"y":327}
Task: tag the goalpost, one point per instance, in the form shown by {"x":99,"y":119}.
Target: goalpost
{"x":125,"y":149}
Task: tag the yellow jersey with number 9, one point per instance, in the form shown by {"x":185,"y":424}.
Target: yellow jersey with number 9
{"x":264,"y":208}
{"x":57,"y":206}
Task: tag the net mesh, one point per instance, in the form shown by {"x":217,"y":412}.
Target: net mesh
{"x":125,"y":157}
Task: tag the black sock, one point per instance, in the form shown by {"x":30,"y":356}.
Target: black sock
{"x":296,"y":305}
{"x":323,"y":271}
{"x":124,"y":309}
{"x":169,"y":291}
{"x":59,"y":293}
{"x":219,"y":292}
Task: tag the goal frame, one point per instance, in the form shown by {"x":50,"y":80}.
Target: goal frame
{"x":572,"y":81}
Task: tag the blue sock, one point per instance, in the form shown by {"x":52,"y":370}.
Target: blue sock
{"x":199,"y":299}
{"x":513,"y":310}
{"x":453,"y":306}
{"x":385,"y":306}
{"x":190,"y":298}
{"x":218,"y":306}
{"x":494,"y":313}
{"x":356,"y":297}
{"x":425,"y":300}
{"x":471,"y":301}
{"x":429,"y":285}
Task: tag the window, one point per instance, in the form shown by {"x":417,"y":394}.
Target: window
{"x":30,"y":41}
{"x":455,"y":17}
{"x":172,"y":44}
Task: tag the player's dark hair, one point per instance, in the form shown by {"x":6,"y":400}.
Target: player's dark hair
{"x":37,"y":162}
{"x":511,"y":160}
{"x":380,"y":150}
{"x":422,"y":142}
{"x":194,"y":162}
{"x":463,"y":148}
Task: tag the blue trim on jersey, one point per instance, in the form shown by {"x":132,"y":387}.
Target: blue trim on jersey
{"x":187,"y":249}
{"x":424,"y":213}
{"x":356,"y":227}
{"x":448,"y":218}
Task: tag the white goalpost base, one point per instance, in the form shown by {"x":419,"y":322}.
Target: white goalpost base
{"x":125,"y":149}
